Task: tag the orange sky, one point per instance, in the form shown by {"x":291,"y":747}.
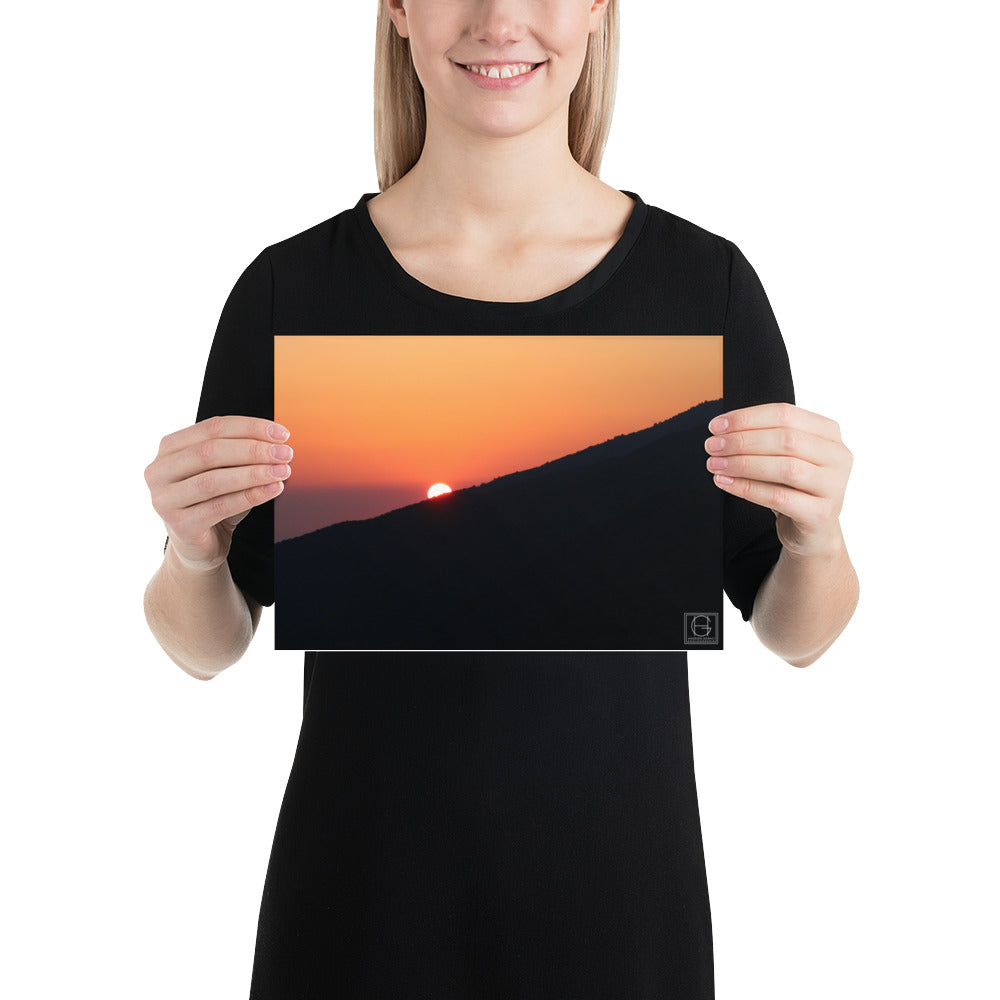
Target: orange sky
{"x":394,"y":410}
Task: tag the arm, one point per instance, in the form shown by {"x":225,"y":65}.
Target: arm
{"x":805,"y":602}
{"x":201,"y":619}
{"x":204,"y":482}
{"x":212,"y":476}
{"x":794,"y":462}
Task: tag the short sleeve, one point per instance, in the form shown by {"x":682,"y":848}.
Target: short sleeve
{"x":239,"y":380}
{"x":755,"y":370}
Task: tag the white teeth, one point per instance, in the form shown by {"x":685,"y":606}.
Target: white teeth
{"x":501,"y":72}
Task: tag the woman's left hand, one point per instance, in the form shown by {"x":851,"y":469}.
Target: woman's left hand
{"x":789,"y":460}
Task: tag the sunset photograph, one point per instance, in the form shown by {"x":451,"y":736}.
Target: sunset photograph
{"x":496,"y":492}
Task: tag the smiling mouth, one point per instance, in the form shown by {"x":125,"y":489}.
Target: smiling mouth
{"x":503,"y":71}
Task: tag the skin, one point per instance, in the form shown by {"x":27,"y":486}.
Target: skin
{"x":496,"y":181}
{"x":793,"y":462}
{"x":204,"y":480}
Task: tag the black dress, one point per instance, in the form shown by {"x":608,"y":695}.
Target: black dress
{"x":480,"y":825}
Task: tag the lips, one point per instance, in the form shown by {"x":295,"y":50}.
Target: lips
{"x":499,"y":76}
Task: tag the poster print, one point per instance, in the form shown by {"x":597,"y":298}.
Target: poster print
{"x":478,"y":492}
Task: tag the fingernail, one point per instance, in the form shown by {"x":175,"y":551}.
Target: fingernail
{"x":718,"y":424}
{"x":278,"y":432}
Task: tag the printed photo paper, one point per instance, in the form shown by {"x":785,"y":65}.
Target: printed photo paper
{"x":478,"y":492}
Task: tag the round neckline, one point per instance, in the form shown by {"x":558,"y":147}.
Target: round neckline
{"x":564,"y":298}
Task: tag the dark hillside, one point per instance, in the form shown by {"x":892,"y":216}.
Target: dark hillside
{"x":602,"y":549}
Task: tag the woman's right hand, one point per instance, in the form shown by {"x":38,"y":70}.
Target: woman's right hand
{"x":206,"y":478}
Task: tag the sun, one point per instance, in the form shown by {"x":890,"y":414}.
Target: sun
{"x":437,"y":489}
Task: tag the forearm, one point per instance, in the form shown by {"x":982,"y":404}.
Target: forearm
{"x":202,"y":621}
{"x":805,"y":602}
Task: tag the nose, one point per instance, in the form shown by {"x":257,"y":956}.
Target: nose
{"x":499,"y":22}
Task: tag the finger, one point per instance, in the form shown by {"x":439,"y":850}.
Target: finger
{"x":257,"y":428}
{"x":217,"y":453}
{"x":218,"y":482}
{"x":778,"y":415}
{"x":196,"y":520}
{"x":776,"y":441}
{"x":779,"y":470}
{"x":803,"y":508}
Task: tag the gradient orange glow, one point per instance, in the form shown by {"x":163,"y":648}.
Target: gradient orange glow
{"x":464,"y":409}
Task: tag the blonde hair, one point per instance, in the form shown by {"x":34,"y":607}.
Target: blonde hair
{"x":401,"y":121}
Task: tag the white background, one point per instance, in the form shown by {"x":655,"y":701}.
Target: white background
{"x":154,"y":150}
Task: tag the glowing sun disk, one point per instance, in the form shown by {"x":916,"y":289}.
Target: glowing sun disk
{"x":437,"y":489}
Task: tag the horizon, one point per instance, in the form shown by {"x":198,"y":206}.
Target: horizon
{"x":313,"y":503}
{"x":369,"y":414}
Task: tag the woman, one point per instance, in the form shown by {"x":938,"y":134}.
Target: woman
{"x":484,"y":825}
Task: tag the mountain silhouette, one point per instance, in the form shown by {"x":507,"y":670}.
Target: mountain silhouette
{"x":605,"y":548}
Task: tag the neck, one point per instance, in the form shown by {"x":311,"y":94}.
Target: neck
{"x":473,"y":184}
